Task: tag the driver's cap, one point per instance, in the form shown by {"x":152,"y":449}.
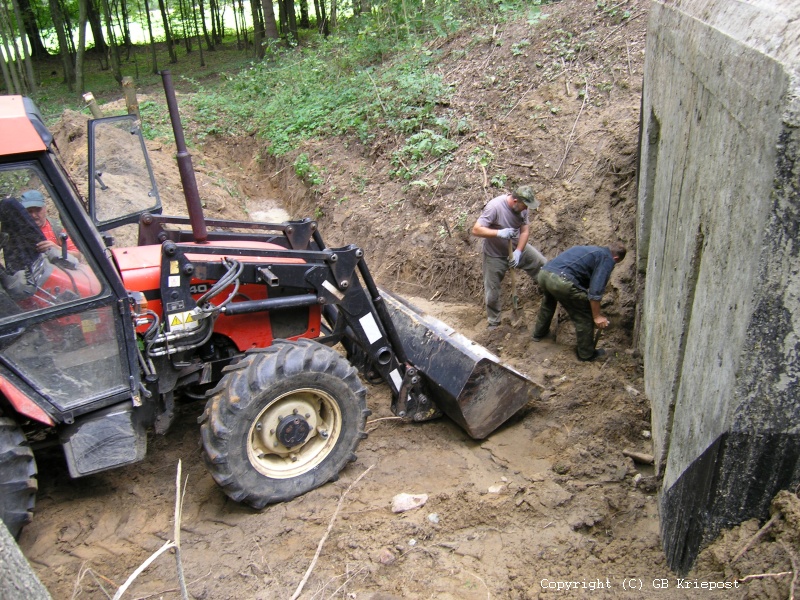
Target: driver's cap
{"x":32,"y":199}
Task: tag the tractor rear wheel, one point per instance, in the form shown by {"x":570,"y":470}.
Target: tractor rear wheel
{"x":18,"y":483}
{"x":282,"y":421}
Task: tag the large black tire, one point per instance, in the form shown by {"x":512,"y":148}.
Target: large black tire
{"x":18,"y":482}
{"x":283,"y":421}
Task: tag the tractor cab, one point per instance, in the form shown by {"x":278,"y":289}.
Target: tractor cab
{"x":67,"y":344}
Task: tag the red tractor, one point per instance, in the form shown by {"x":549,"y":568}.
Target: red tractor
{"x":97,"y":344}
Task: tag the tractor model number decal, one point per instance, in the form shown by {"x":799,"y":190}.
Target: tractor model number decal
{"x":200,"y":288}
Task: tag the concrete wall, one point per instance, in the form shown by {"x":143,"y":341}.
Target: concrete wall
{"x":717,"y":247}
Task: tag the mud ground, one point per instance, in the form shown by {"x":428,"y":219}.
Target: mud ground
{"x":552,"y":496}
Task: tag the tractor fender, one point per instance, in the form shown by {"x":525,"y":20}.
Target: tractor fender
{"x":24,"y":404}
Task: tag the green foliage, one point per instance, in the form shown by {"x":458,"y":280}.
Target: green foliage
{"x":518,"y":48}
{"x":307,"y":171}
{"x":419,"y":149}
{"x":499,"y":180}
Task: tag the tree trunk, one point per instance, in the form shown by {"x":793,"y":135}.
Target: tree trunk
{"x":65,"y":14}
{"x":23,"y":38}
{"x":63,"y":46}
{"x":173,"y":58}
{"x":208,"y":38}
{"x":153,"y":53}
{"x":79,"y":57}
{"x":38,"y":51}
{"x":365,"y":6}
{"x":113,"y":48}
{"x":270,"y":26}
{"x":187,"y":27}
{"x":100,"y":45}
{"x":239,"y":42}
{"x":126,"y":28}
{"x":217,"y":22}
{"x":199,"y":41}
{"x":243,"y":22}
{"x":258,"y":30}
{"x":304,"y":22}
{"x":13,"y":83}
{"x":322,"y":19}
{"x":334,"y":12}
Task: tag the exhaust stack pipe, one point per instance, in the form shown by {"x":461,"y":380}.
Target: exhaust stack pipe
{"x":185,"y":167}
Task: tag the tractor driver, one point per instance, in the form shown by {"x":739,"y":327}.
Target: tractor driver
{"x":33,"y":202}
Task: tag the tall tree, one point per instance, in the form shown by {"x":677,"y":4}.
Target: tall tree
{"x":334,"y":13}
{"x":270,"y":26}
{"x":96,"y":25}
{"x":173,"y":58}
{"x":83,"y":17}
{"x":38,"y":51}
{"x":208,"y":38}
{"x":199,"y":42}
{"x":14,"y":83}
{"x":23,"y":38}
{"x":63,"y":45}
{"x":217,"y":22}
{"x":126,"y":28}
{"x":258,"y":30}
{"x":186,"y":26}
{"x":304,"y":21}
{"x":288,"y":21}
{"x":243,"y":23}
{"x":153,"y":53}
{"x":322,"y":19}
{"x":113,"y":47}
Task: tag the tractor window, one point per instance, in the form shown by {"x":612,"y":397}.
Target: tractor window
{"x":68,"y":349}
{"x":70,"y":359}
{"x":40,"y":263}
{"x":122,"y":186}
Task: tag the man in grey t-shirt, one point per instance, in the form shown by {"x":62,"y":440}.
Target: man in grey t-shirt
{"x":504,"y":224}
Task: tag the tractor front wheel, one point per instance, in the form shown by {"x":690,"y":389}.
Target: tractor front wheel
{"x":283,"y":421}
{"x":18,"y":483}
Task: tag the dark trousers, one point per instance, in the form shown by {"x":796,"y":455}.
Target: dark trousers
{"x":557,"y":289}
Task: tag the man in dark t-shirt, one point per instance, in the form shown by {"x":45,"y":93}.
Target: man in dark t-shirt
{"x":503,"y":225}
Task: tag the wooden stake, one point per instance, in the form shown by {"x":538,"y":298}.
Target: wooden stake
{"x":130,"y":96}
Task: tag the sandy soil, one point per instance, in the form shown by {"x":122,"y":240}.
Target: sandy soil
{"x":551,"y":497}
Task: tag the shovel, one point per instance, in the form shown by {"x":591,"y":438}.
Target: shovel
{"x":514,"y":297}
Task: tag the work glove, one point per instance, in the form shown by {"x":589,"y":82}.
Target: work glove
{"x":513,"y":260}
{"x":507,"y":233}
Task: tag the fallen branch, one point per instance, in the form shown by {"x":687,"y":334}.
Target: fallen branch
{"x":378,"y":94}
{"x":639,"y":457}
{"x":300,"y":587}
{"x":756,"y":537}
{"x":764,"y":576}
{"x":167,"y":545}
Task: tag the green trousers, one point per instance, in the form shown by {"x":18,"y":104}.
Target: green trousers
{"x":495,"y":269}
{"x":555,"y":289}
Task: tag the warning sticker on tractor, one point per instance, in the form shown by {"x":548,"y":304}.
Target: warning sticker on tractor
{"x":174,"y":281}
{"x":182,"y":321}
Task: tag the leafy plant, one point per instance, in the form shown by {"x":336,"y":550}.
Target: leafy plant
{"x":421,"y":146}
{"x":518,"y":48}
{"x":307,"y":171}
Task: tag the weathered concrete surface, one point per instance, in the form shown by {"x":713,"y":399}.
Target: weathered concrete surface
{"x":719,"y":213}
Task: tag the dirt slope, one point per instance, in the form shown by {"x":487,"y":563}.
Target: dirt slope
{"x":548,"y":498}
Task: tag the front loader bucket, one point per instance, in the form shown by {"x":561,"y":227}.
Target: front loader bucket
{"x":470,"y":384}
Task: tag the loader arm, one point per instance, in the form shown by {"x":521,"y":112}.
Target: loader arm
{"x":428,"y":367}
